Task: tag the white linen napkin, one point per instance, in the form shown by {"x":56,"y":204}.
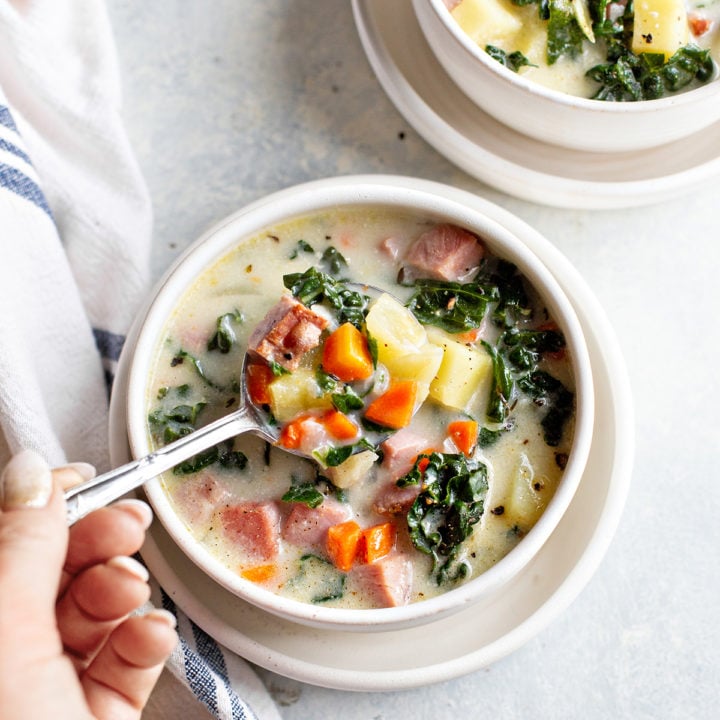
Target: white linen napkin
{"x":75,"y":236}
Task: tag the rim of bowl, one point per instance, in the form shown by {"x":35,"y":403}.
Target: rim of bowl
{"x":401,"y":193}
{"x":636,"y":107}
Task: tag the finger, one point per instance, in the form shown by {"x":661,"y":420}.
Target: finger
{"x":33,"y":539}
{"x":96,"y":601}
{"x":73,"y":474}
{"x":119,"y":680}
{"x":115,"y":530}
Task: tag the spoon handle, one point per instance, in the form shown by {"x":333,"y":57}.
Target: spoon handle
{"x":109,"y":486}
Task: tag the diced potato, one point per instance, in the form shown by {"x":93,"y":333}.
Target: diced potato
{"x":488,"y":21}
{"x":660,"y":26}
{"x":402,"y":344}
{"x":523,"y":504}
{"x":353,"y":470}
{"x":463,"y":372}
{"x":394,"y":327}
{"x":295,"y":393}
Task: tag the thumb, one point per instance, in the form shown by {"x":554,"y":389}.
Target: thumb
{"x":33,"y":545}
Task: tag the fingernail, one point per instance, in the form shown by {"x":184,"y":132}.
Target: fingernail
{"x":85,"y":470}
{"x":130,"y":565}
{"x":164,"y":616}
{"x":26,"y":482}
{"x":74,"y":474}
{"x":141,"y":510}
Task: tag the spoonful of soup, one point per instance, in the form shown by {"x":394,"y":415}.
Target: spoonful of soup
{"x":310,"y":384}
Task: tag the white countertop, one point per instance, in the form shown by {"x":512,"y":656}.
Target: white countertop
{"x":228,"y":100}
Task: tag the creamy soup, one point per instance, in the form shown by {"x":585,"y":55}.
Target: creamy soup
{"x":620,"y":51}
{"x":436,"y":409}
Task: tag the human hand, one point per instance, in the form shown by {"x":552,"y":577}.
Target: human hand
{"x":68,"y":648}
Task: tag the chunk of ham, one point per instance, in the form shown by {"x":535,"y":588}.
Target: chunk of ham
{"x":400,"y":451}
{"x":306,"y":526}
{"x":198,"y":498}
{"x":445,"y":252}
{"x":287,"y":332}
{"x":254,"y":527}
{"x":391,"y":500}
{"x":386,"y":582}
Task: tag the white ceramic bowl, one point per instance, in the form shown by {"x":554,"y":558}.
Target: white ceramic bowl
{"x":552,"y":116}
{"x":400,"y":193}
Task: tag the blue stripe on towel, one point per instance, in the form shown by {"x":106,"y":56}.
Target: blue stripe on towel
{"x":15,"y":150}
{"x":109,"y":344}
{"x":199,"y":664}
{"x":20,"y":184}
{"x":6,"y":118}
{"x":211,"y":653}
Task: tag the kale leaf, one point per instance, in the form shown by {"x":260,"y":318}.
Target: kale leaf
{"x":455,"y":307}
{"x":224,"y":337}
{"x":314,"y":286}
{"x":305,"y":493}
{"x":513,"y":61}
{"x":443,"y":515}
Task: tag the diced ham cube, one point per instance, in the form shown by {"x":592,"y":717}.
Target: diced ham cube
{"x":392,"y":500}
{"x":386,"y":582}
{"x":254,"y":527}
{"x":287,"y":332}
{"x":198,"y":498}
{"x":306,"y":526}
{"x":400,"y":451}
{"x":445,"y":252}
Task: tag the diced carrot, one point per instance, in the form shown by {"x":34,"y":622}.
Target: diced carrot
{"x":292,"y":433}
{"x":376,"y":542}
{"x":464,"y":434}
{"x":395,"y":407}
{"x":342,"y":544}
{"x":259,"y":573}
{"x":423,"y":463}
{"x":346,"y":354}
{"x":469,"y":336}
{"x":259,"y":376}
{"x":339,"y":425}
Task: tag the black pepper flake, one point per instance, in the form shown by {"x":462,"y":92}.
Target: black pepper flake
{"x":274,"y":238}
{"x":647,"y":38}
{"x":401,"y":135}
{"x":538,"y":486}
{"x":230,"y":402}
{"x":561,"y":460}
{"x":177,"y":360}
{"x":499,"y":510}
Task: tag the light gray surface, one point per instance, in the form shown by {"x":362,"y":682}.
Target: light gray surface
{"x":228,"y":100}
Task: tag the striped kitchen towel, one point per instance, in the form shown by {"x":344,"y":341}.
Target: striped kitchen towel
{"x":75,"y":238}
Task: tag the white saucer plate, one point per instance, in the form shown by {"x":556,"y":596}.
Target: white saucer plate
{"x":503,"y":158}
{"x":471,"y":639}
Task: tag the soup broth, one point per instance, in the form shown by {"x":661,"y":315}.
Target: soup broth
{"x":454,"y":487}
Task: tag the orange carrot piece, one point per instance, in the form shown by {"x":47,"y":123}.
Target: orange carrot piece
{"x":339,"y":425}
{"x":464,"y":434}
{"x":346,"y":354}
{"x":376,"y":542}
{"x":259,"y":376}
{"x":342,"y":544}
{"x":292,"y":433}
{"x":259,"y":573}
{"x":395,"y":407}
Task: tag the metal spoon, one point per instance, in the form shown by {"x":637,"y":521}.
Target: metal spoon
{"x":110,"y":486}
